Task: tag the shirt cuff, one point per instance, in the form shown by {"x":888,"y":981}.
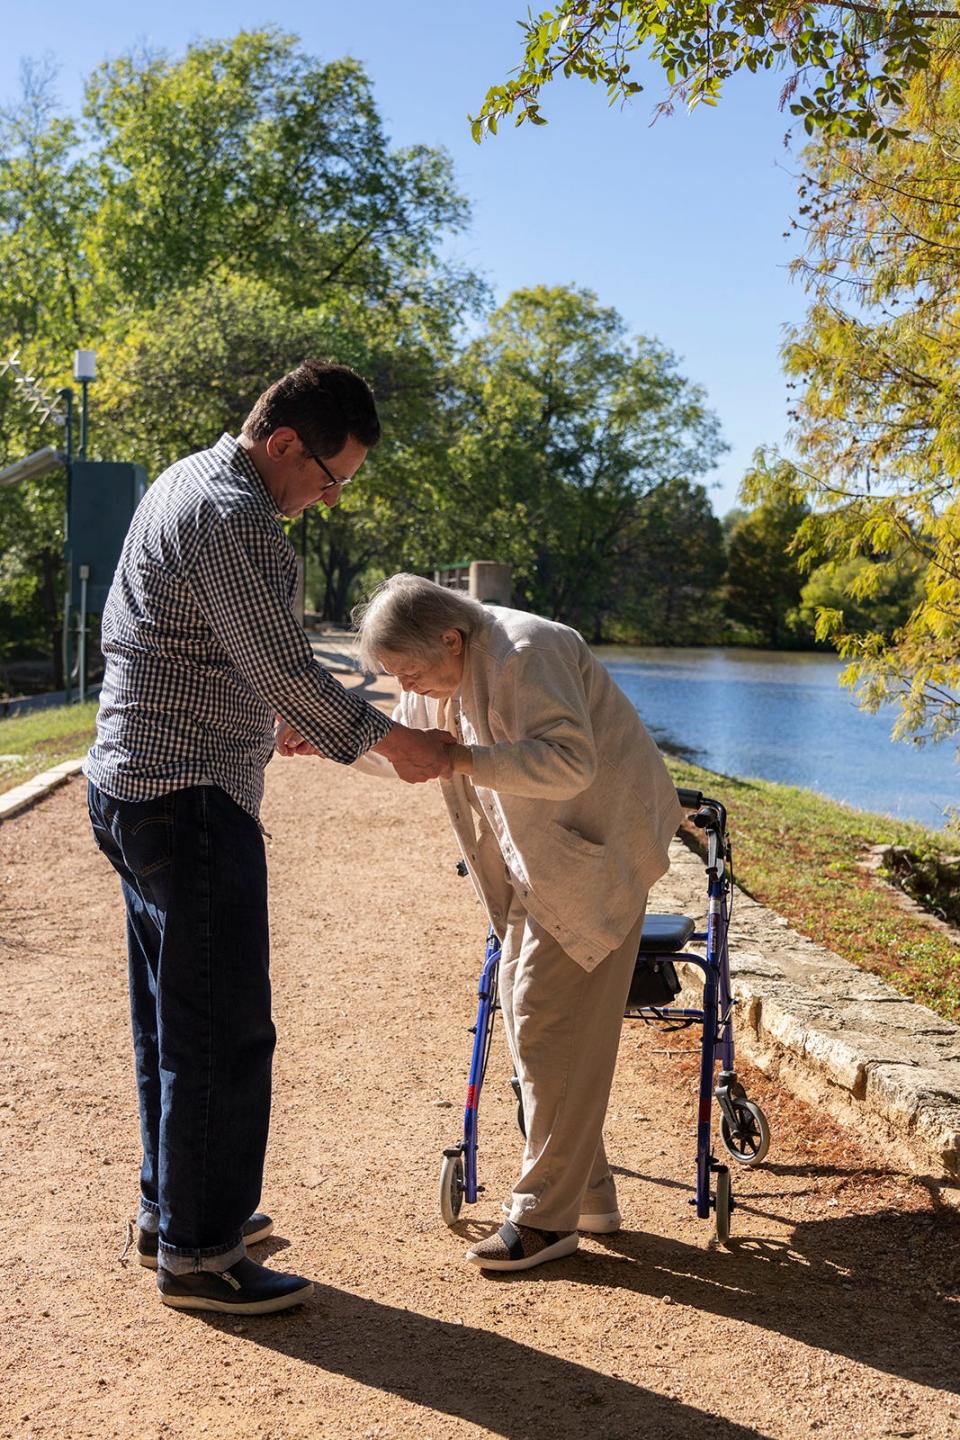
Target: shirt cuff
{"x":377,"y":726}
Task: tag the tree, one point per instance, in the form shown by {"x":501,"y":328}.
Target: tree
{"x":46,"y":203}
{"x":566,"y":424}
{"x":212,"y":219}
{"x":876,"y":367}
{"x":243,"y":157}
{"x":842,"y":587}
{"x":192,"y":368}
{"x":246,"y":155}
{"x":667,"y":587}
{"x":764,"y":581}
{"x":848,"y":63}
{"x":31,"y":571}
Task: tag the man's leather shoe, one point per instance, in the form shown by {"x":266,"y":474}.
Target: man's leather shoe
{"x":245,"y":1289}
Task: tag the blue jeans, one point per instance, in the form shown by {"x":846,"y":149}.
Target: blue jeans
{"x":194,"y":879}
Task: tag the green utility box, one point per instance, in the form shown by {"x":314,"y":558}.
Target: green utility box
{"x":103,"y":497}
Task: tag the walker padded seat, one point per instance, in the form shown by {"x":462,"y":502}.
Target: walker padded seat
{"x":665,"y":934}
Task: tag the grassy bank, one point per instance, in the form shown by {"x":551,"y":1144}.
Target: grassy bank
{"x":39,"y":739}
{"x":797,"y":852}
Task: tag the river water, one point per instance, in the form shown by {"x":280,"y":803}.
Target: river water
{"x":783,"y":716}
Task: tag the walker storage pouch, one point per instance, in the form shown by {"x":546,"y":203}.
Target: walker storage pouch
{"x":655,"y":983}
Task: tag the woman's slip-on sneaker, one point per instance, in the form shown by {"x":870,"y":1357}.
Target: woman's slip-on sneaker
{"x":607,"y":1224}
{"x":257,"y":1228}
{"x":246,"y":1288}
{"x":520,"y":1247}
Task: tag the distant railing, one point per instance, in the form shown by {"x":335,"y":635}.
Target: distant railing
{"x":453,"y":577}
{"x":485,"y":580}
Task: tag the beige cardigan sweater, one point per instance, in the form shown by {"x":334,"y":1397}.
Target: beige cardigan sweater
{"x":576,"y":807}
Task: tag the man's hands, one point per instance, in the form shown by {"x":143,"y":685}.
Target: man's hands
{"x":290,"y":742}
{"x":416,"y":755}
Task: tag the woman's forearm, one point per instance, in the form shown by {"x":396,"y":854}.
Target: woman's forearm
{"x":461,"y":759}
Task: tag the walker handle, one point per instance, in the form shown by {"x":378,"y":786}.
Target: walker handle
{"x":690,"y":799}
{"x":713,"y":816}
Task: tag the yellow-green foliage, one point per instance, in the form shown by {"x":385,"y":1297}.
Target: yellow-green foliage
{"x":847,"y":63}
{"x":876,"y":371}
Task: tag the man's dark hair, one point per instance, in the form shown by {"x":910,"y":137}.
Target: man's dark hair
{"x":324,"y":402}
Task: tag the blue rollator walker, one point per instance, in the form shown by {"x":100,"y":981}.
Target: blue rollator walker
{"x":744,"y":1131}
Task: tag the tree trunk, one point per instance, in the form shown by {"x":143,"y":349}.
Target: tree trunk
{"x":339,"y":570}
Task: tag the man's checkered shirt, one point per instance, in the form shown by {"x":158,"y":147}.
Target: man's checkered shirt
{"x":202,"y":648}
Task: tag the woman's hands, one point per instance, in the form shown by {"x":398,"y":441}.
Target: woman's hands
{"x":417,"y":755}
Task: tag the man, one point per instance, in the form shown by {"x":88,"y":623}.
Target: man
{"x":202,"y":652}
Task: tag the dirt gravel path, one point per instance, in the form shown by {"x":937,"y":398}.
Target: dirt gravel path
{"x":834,"y":1312}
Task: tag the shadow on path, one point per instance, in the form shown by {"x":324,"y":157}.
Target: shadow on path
{"x":509,"y":1389}
{"x":881,"y":1289}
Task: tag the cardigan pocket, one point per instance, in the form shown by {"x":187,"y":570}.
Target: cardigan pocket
{"x":583,"y":885}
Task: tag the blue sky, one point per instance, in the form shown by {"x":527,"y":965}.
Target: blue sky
{"x":678,"y":225}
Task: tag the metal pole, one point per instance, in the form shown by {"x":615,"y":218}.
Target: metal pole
{"x":67,"y":657}
{"x":82,"y":634}
{"x":67,"y":396}
{"x":84,"y":418}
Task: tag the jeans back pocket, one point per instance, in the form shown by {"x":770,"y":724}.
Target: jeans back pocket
{"x":141,"y":830}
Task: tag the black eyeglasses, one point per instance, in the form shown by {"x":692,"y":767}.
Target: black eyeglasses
{"x":331,"y":479}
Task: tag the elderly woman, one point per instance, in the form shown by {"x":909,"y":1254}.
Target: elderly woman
{"x":563,"y":809}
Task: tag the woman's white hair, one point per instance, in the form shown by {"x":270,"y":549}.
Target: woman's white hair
{"x":408,"y":615}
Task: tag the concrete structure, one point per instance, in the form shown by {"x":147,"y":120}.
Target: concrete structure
{"x":22,"y":796}
{"x":486,"y":580}
{"x":491,"y":582}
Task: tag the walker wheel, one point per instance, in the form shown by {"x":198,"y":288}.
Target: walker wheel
{"x":451,"y":1188}
{"x":723,"y":1204}
{"x":753,"y":1141}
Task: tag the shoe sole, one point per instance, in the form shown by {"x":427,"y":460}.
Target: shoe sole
{"x":557,"y":1251}
{"x":600,"y":1224}
{"x":150,"y":1262}
{"x":241,"y":1307}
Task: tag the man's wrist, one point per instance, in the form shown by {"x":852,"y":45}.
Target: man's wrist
{"x":387,"y":744}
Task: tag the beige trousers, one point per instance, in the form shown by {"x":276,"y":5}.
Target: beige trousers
{"x":563,"y":1029}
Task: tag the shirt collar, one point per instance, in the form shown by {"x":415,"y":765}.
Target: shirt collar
{"x":232,"y":453}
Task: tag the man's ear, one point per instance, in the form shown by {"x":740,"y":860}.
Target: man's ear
{"x":453,"y":639}
{"x":280,"y":442}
